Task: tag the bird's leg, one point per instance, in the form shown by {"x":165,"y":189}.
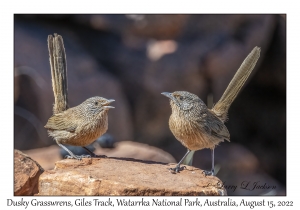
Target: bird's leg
{"x":71,"y":156}
{"x":93,"y":154}
{"x":212,"y":162}
{"x":212,"y":172}
{"x":177,"y":168}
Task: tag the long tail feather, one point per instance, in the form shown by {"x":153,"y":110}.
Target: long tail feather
{"x":58,"y":64}
{"x":234,"y":87}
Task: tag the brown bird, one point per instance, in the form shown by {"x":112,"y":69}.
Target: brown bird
{"x":198,"y":127}
{"x":82,"y":124}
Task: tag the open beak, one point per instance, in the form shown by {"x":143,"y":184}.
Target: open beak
{"x":105,"y":106}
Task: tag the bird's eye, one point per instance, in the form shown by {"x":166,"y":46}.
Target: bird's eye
{"x":181,"y":97}
{"x":96,"y":103}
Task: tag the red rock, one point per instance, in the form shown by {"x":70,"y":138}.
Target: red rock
{"x":46,"y":156}
{"x":26,"y":173}
{"x":121,"y":176}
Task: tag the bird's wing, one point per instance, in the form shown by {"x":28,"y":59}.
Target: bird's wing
{"x":59,"y":122}
{"x":215,"y":126}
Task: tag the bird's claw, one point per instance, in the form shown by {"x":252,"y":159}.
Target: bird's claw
{"x":77,"y":157}
{"x":208,"y":173}
{"x":73,"y":157}
{"x":85,"y":156}
{"x":177,"y":169}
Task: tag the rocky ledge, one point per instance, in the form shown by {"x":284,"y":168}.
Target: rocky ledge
{"x":125,"y":176}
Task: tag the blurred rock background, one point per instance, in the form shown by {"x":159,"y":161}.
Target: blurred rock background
{"x":133,"y":58}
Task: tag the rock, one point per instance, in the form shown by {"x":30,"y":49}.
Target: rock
{"x":45,"y":156}
{"x":121,"y":176}
{"x":26,"y":174}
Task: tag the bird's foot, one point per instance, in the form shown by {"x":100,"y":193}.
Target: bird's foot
{"x":177,"y":169}
{"x":77,"y":157}
{"x":208,"y":173}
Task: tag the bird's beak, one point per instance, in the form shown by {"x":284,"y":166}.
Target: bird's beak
{"x":169,"y":95}
{"x":107,"y":103}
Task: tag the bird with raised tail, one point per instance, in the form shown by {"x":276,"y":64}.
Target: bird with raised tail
{"x":198,"y":127}
{"x":80,"y":125}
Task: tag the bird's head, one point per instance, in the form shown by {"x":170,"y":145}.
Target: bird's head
{"x":183,"y":100}
{"x":96,"y":105}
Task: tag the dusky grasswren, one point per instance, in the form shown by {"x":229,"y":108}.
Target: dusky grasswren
{"x":79,"y":125}
{"x":198,"y":127}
